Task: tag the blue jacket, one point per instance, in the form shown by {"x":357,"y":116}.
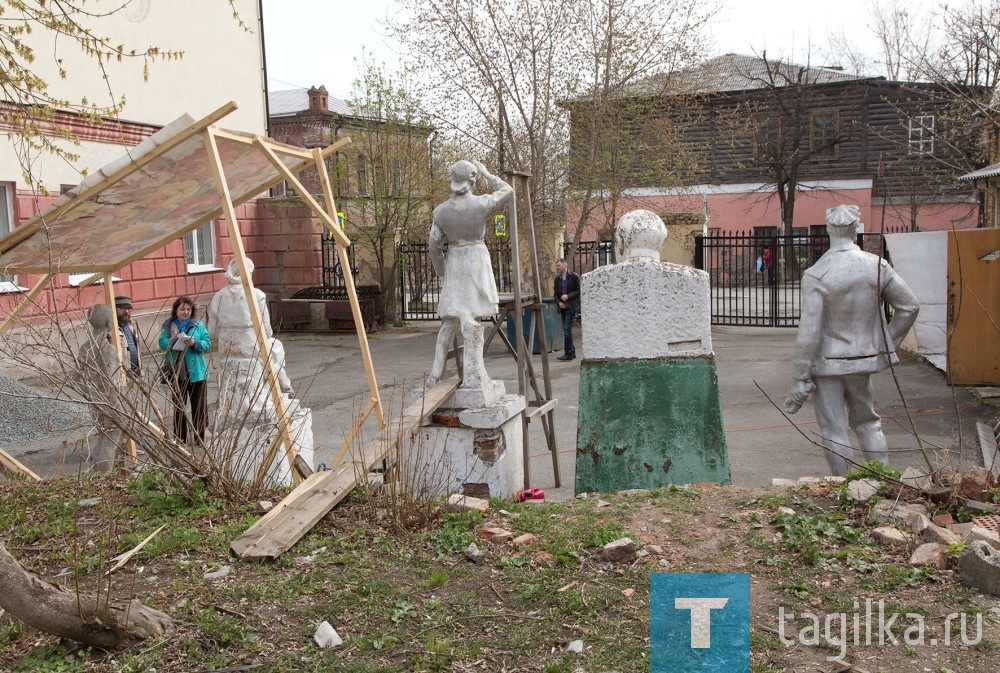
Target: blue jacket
{"x":194,"y":356}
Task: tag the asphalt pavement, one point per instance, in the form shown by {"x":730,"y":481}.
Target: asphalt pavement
{"x":754,"y":370}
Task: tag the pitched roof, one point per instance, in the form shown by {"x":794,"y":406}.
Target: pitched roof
{"x":292,"y":101}
{"x":740,"y":72}
{"x":991,"y":171}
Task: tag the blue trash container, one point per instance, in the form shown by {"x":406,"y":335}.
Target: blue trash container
{"x":553,"y":327}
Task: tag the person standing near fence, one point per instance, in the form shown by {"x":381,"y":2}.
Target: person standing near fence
{"x":767,"y":257}
{"x":186,"y":340}
{"x":567,"y":294}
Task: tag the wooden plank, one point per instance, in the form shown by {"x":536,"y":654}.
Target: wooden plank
{"x":28,"y":298}
{"x":988,"y":445}
{"x":303,"y":508}
{"x":535,"y":409}
{"x":263,"y":347}
{"x":12,"y":465}
{"x":355,"y":429}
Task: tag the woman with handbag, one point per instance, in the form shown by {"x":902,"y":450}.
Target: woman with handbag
{"x":186,"y":341}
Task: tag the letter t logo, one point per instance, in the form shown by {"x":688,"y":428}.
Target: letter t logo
{"x":701,"y":618}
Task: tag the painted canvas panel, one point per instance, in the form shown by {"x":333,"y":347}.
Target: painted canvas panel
{"x":144,"y":210}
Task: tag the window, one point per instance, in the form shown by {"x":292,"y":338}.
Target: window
{"x":922,"y":134}
{"x":199,"y":248}
{"x":7,"y":283}
{"x":823,"y":127}
{"x":766,"y":138}
{"x":362,"y":175}
{"x":397,"y":177}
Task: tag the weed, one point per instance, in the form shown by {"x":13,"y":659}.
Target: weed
{"x":50,"y":660}
{"x":873,"y":469}
{"x":456,"y":533}
{"x":608,"y":532}
{"x":435,"y":580}
{"x":771,"y":500}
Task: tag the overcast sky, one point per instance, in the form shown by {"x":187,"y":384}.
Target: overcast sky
{"x":314,"y":42}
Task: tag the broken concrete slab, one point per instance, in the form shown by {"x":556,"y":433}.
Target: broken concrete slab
{"x":893,"y":537}
{"x":862,"y":490}
{"x":466,"y":503}
{"x":941,"y":535}
{"x":979,"y":567}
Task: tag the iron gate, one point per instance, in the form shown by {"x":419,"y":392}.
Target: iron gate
{"x":746,"y":291}
{"x":420,"y":287}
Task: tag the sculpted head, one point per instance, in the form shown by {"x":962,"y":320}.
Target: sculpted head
{"x":843,"y":221}
{"x":640,"y":234}
{"x":233,"y":271}
{"x":462,"y":177}
{"x":99,"y":317}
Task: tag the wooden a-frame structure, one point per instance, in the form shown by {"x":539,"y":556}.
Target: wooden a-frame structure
{"x":183,"y":176}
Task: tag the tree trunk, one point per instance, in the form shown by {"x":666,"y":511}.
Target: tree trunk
{"x":84,"y":618}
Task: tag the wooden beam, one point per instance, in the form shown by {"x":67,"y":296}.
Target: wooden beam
{"x":304,"y":507}
{"x":28,"y":298}
{"x":264,"y":350}
{"x":304,"y":194}
{"x":352,"y":293}
{"x":123,"y":366}
{"x":12,"y":465}
{"x":355,"y":429}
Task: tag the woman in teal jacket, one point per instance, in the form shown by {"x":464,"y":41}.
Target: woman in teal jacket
{"x":182,"y":334}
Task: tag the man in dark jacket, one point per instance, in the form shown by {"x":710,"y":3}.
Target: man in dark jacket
{"x":127,"y":334}
{"x":567,"y":294}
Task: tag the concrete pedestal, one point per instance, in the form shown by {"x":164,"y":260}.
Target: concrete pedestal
{"x":477,"y":452}
{"x":649,"y":423}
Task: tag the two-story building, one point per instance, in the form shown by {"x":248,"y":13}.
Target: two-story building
{"x":382,"y":181}
{"x":771,"y":146}
{"x":207,"y":57}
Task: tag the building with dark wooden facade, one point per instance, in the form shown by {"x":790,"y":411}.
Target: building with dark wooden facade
{"x":740,"y":126}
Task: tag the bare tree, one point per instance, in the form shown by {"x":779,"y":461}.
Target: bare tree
{"x":390,"y":153}
{"x":632,"y":50}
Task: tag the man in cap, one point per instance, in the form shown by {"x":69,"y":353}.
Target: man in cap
{"x":843,"y":339}
{"x":127,"y":333}
{"x":469,"y":291}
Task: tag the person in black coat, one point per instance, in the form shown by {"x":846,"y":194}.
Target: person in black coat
{"x":567,"y":293}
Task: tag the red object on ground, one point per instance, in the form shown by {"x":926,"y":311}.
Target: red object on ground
{"x":532,"y":494}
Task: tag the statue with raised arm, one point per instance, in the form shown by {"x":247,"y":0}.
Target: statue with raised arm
{"x":844,"y":338}
{"x":469,"y":291}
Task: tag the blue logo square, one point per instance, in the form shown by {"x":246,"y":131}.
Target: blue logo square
{"x":699,"y":623}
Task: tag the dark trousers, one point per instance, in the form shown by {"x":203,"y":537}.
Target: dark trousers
{"x":197,"y":393}
{"x":568,"y":316}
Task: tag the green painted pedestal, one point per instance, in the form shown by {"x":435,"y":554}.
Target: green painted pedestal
{"x":648,"y":423}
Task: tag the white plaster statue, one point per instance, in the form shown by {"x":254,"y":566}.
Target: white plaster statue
{"x":469,"y":290}
{"x":99,"y":374}
{"x":232,"y":329}
{"x":843,"y":339}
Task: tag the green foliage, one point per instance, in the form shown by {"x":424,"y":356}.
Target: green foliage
{"x":873,"y":469}
{"x":156,"y":498}
{"x":456,"y":532}
{"x":607,"y":532}
{"x":50,"y":659}
{"x":893,"y":577}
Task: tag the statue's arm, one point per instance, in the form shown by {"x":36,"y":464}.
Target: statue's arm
{"x":807,"y":344}
{"x":500,"y":191}
{"x":435,"y":246}
{"x":904,"y":303}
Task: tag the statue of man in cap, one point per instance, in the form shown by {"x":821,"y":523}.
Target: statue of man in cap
{"x":127,"y":333}
{"x":844,"y":338}
{"x":469,"y":291}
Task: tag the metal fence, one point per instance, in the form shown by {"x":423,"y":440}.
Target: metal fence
{"x":589,"y":255}
{"x":745,"y":290}
{"x":333,"y":274}
{"x":420,"y":287}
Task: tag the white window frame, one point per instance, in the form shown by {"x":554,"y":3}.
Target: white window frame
{"x":922,"y":134}
{"x":8,"y":284}
{"x":192,"y":248}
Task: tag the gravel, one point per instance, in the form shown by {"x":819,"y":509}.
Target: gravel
{"x":29,"y":415}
